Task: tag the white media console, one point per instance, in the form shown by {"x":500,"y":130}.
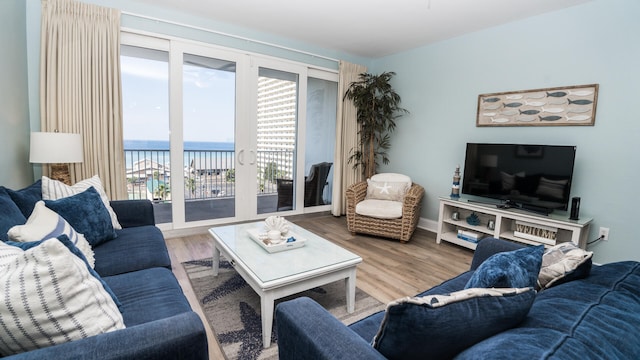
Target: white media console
{"x":508,"y":224}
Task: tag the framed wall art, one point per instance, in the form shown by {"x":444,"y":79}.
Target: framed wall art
{"x":559,"y":106}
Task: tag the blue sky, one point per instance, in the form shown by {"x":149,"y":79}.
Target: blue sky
{"x":208,"y":101}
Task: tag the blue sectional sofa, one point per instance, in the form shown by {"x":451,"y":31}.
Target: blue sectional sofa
{"x":596,"y":317}
{"x":160,"y":323}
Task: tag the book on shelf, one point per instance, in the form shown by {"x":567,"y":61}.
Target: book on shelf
{"x":468,"y":236}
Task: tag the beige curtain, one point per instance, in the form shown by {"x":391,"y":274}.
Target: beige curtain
{"x":346,"y":139}
{"x":80,"y":90}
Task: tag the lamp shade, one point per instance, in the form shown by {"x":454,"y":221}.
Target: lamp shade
{"x":55,"y":148}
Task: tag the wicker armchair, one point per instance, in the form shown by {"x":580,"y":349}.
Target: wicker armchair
{"x":401,"y":228}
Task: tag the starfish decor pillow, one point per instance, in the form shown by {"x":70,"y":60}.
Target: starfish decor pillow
{"x":386,"y":190}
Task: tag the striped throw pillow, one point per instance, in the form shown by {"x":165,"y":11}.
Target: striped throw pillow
{"x":50,"y":298}
{"x":44,"y":223}
{"x":54,"y":190}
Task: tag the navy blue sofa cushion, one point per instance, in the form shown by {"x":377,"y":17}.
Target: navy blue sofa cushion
{"x":148,"y":295}
{"x":27,"y":198}
{"x":10,"y":216}
{"x":134,"y":249}
{"x":86,"y":213}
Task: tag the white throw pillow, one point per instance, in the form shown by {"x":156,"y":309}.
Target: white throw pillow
{"x":387,"y":190}
{"x":49,"y":297}
{"x":54,"y":190}
{"x":44,"y":223}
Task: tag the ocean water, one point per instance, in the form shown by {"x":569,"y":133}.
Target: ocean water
{"x":188,"y":145}
{"x":202,"y":155}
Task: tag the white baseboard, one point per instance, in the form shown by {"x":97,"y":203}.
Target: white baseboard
{"x":428,"y":224}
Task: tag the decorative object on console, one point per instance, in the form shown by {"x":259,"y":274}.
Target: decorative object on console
{"x":569,"y":105}
{"x":57,"y":149}
{"x":539,"y":233}
{"x":455,"y":187}
{"x":473,"y":219}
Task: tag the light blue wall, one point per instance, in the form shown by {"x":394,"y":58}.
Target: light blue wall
{"x":14,"y":112}
{"x":592,"y":43}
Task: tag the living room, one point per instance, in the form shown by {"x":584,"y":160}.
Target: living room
{"x":590,"y":43}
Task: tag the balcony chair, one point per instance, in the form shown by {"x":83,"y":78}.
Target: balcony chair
{"x":387,"y":205}
{"x":314,"y":183}
{"x":313,"y":187}
{"x":285,"y":194}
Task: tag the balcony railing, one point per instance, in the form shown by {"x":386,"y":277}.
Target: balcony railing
{"x":207,"y":173}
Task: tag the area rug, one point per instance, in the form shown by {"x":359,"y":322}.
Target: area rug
{"x":233,"y":308}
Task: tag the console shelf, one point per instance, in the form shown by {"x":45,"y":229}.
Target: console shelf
{"x":505,"y":220}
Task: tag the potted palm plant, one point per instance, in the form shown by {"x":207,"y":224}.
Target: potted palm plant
{"x":378,"y":107}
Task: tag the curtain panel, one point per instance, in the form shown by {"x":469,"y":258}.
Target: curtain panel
{"x":80,"y":87}
{"x":347,"y":138}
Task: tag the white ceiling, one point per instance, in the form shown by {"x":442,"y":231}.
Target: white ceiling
{"x":369,"y":28}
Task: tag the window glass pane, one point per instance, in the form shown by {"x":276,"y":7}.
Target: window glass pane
{"x":320,"y":140}
{"x":145,"y":99}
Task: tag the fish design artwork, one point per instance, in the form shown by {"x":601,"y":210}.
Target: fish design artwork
{"x":578,"y":117}
{"x":556,"y":94}
{"x":513,"y":104}
{"x":578,"y":110}
{"x":525,"y":118}
{"x":550,"y":118}
{"x":500,"y":120}
{"x":553,"y":110}
{"x":580,"y":102}
{"x":491,"y":100}
{"x":529,"y":112}
{"x":558,"y":101}
{"x":489,"y":114}
{"x":535,"y":103}
{"x":539,"y":95}
{"x":581,"y":92}
{"x":509,"y":112}
{"x":514,"y":97}
{"x":492,"y":107}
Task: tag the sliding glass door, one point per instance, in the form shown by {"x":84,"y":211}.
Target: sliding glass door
{"x":208,"y":122}
{"x":214,"y":135}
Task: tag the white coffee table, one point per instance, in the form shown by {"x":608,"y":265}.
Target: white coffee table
{"x":280,"y":274}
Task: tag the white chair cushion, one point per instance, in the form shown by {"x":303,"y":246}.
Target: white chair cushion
{"x":380,"y":209}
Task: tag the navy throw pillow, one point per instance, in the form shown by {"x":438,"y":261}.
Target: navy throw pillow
{"x":10,"y":214}
{"x":27,"y":198}
{"x":86,"y":213}
{"x":441,"y":326}
{"x":64,"y":239}
{"x":511,"y":269}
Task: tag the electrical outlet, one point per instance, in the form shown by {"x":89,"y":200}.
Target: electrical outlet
{"x":604,"y":233}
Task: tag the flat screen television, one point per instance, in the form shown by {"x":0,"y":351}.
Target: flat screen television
{"x":533,"y":177}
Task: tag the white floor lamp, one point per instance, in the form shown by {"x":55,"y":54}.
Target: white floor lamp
{"x":57,"y":149}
